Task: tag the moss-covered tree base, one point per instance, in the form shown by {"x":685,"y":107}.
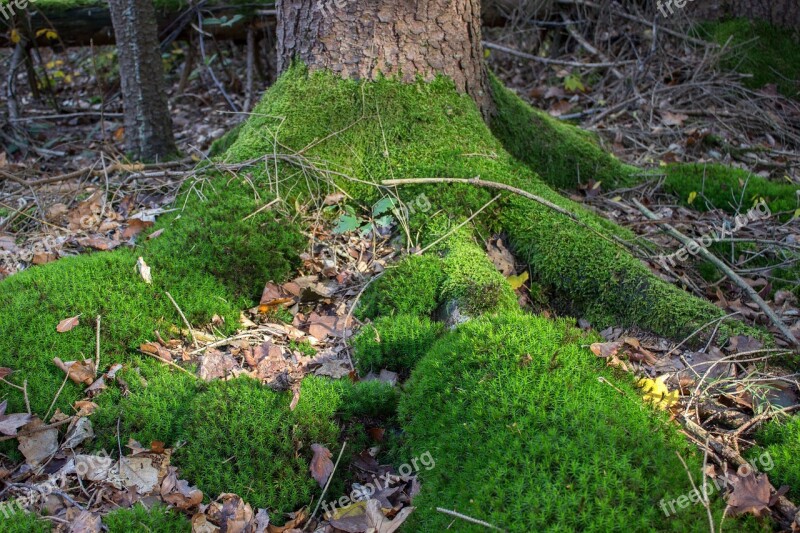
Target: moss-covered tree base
{"x":213,"y":257}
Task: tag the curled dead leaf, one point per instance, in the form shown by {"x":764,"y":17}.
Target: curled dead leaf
{"x":67,"y":324}
{"x":321,"y":465}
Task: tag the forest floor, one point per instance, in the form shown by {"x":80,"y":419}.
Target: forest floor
{"x":69,"y":191}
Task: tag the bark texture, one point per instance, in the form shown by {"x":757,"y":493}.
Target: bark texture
{"x":364,"y":39}
{"x":148,"y":126}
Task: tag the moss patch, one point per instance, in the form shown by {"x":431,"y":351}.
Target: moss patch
{"x":781,"y":441}
{"x":382,"y":129}
{"x":730,"y":189}
{"x":208,"y":258}
{"x":139,"y":519}
{"x":394,"y":342}
{"x":24,"y":522}
{"x":515,"y":400}
{"x":409,"y":288}
{"x":767,"y":53}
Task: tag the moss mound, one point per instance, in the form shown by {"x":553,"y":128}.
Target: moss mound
{"x":410,"y":288}
{"x":239,"y":436}
{"x":515,"y":399}
{"x":394,"y":342}
{"x":209,"y":258}
{"x":139,"y":519}
{"x":767,"y":53}
{"x":730,"y":189}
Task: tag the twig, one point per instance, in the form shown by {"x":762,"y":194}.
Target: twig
{"x":327,"y":483}
{"x":786,"y":509}
{"x":58,"y":393}
{"x":170,"y":363}
{"x":469,"y":519}
{"x":25,"y":395}
{"x":703,"y":495}
{"x":548,"y":61}
{"x":188,"y":326}
{"x":97,"y":350}
{"x":756,"y":420}
{"x":725,"y":269}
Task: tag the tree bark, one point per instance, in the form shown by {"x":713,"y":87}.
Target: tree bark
{"x":364,"y":39}
{"x":148,"y":126}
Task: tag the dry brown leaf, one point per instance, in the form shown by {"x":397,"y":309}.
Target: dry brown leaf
{"x":85,"y":522}
{"x":177,"y":492}
{"x":298,"y":519}
{"x":605,"y":349}
{"x":78,"y":371}
{"x":99,"y":243}
{"x":321,"y":465}
{"x":751,"y":494}
{"x":40,"y":445}
{"x":9,"y":424}
{"x":669,"y":118}
{"x":144,"y":270}
{"x":154,"y":348}
{"x":67,"y":324}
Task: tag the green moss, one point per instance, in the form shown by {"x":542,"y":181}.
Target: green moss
{"x":767,"y":53}
{"x":139,"y":519}
{"x":525,"y":437}
{"x":562,"y":154}
{"x":730,"y":189}
{"x":367,"y":399}
{"x":22,"y":521}
{"x":221,"y":145}
{"x":369,"y":131}
{"x":156,"y":408}
{"x":409,"y":288}
{"x":241,"y":438}
{"x":471,"y":279}
{"x":777,"y":452}
{"x":394,"y":343}
{"x":208,"y":258}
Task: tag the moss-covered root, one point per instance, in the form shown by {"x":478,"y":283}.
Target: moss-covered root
{"x":525,"y":437}
{"x":385,"y":128}
{"x":562,"y":154}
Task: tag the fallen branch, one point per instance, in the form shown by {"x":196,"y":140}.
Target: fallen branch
{"x":548,"y":61}
{"x":725,"y":269}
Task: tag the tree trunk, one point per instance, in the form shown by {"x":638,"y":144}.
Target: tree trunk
{"x":364,"y":39}
{"x":148,"y":126}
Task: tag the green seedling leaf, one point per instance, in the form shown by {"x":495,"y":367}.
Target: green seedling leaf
{"x":346,"y":223}
{"x":382,"y":206}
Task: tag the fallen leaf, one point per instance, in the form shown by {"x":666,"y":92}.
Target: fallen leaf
{"x":138,"y":473}
{"x":39,"y":445}
{"x":177,"y":492}
{"x":605,"y":349}
{"x":655,"y":391}
{"x":216,"y":365}
{"x":518,"y":281}
{"x":751,"y":494}
{"x":85,"y":522}
{"x":321,"y":464}
{"x":669,"y":118}
{"x":67,"y":324}
{"x":81,"y":430}
{"x":99,"y":243}
{"x":298,"y":519}
{"x":9,"y":424}
{"x":78,"y":371}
